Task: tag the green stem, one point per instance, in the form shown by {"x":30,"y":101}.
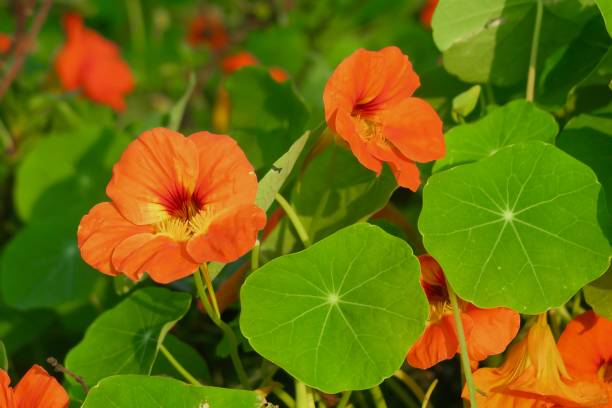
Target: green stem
{"x":255,"y":256}
{"x":303,"y":398}
{"x":430,"y":390}
{"x":410,"y":383}
{"x":465,"y":359}
{"x":283,"y":396}
{"x":137,"y":27}
{"x":533,"y":59}
{"x":211,"y":288}
{"x":402,"y":393}
{"x":225,"y":328}
{"x":178,"y":365}
{"x":295,"y":220}
{"x":377,"y":396}
{"x":346,"y":396}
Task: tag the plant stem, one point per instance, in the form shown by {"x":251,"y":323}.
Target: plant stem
{"x":406,"y":397}
{"x":137,"y":27}
{"x":533,"y":59}
{"x":255,"y":256}
{"x":377,"y":396}
{"x":303,"y":398}
{"x":178,"y":365}
{"x":295,"y":220}
{"x":227,"y":330}
{"x":410,"y":383}
{"x":283,"y":396}
{"x":432,"y":386}
{"x":211,"y":288}
{"x":465,"y":359}
{"x":346,"y":396}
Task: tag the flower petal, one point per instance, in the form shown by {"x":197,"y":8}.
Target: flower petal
{"x":158,"y":168}
{"x":38,"y":389}
{"x":100,"y":231}
{"x":231,"y":234}
{"x":493,"y":330}
{"x":108,"y":81}
{"x":345,"y":127}
{"x":6,"y":393}
{"x":415,"y":129}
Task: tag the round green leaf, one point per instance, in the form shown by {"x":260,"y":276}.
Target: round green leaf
{"x":125,"y":339}
{"x":517,"y":229}
{"x":518,"y":121}
{"x":130,"y":391}
{"x":339,"y":315}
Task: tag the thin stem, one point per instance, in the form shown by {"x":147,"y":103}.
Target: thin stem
{"x":465,"y":359}
{"x":255,"y":256}
{"x":408,"y":400}
{"x":210,"y":287}
{"x":137,"y":26}
{"x":303,"y":399}
{"x":410,"y":383}
{"x":377,"y":396}
{"x":178,"y":365}
{"x":225,"y":328}
{"x":533,"y":59}
{"x":284,"y":396}
{"x":295,"y":220}
{"x":430,"y":390}
{"x":346,"y":396}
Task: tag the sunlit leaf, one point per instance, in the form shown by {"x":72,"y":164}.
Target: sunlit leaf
{"x":465,"y":102}
{"x":516,"y":122}
{"x":130,"y":391}
{"x":605,"y":6}
{"x":517,"y":229}
{"x":125,"y":339}
{"x":339,"y":315}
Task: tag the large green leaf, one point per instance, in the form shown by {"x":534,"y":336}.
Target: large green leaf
{"x":125,"y":339}
{"x":130,"y":391}
{"x":517,"y":229}
{"x":490,"y":40}
{"x":518,"y":121}
{"x":598,"y":295}
{"x":67,"y":172}
{"x":266,"y":117}
{"x":41,"y":266}
{"x":605,"y":6}
{"x":339,"y":315}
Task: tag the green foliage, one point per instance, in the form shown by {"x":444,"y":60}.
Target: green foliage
{"x":335,"y":315}
{"x":3,"y":357}
{"x":606,"y":10}
{"x":598,"y":295}
{"x":187,"y":355}
{"x":465,"y":102}
{"x":516,"y":229}
{"x":126,"y":338}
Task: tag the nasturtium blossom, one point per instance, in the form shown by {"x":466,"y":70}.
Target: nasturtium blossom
{"x":487,"y":331}
{"x":37,"y":389}
{"x":368,"y":102}
{"x":534,"y":375}
{"x":92,"y":63}
{"x":176,"y":202}
{"x":586,"y":349}
{"x":5,"y":43}
{"x":427,"y":12}
{"x":208,"y":29}
{"x":234,"y":62}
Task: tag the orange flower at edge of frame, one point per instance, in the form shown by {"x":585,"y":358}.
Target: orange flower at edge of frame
{"x":487,"y":331}
{"x":368,"y":102}
{"x":92,"y":63}
{"x":36,"y":389}
{"x":586,"y":349}
{"x":533,"y":375}
{"x":176,"y":202}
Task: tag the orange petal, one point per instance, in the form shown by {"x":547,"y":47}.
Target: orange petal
{"x":231,"y":234}
{"x":108,"y":81}
{"x":226,"y":178}
{"x":239,"y":60}
{"x":493,"y":330}
{"x":415,"y":129}
{"x":155,"y":173}
{"x":6,"y":393}
{"x":100,"y":231}
{"x":278,"y":74}
{"x":438,"y":343}
{"x":164,"y":259}
{"x":406,"y":173}
{"x":38,"y":389}
{"x":586,"y":345}
{"x":345,"y":127}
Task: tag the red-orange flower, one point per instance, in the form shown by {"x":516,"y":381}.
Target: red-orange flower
{"x":234,"y":62}
{"x":278,"y":74}
{"x":176,"y":202}
{"x":586,"y":349}
{"x":487,"y":331}
{"x":208,"y":30}
{"x":533,"y":375}
{"x":5,"y":43}
{"x":427,"y":12}
{"x":368,"y":102}
{"x":37,"y":389}
{"x":92,"y":63}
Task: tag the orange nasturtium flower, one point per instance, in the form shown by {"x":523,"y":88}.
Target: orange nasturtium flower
{"x":234,"y":62}
{"x":487,"y":331}
{"x":586,"y":349}
{"x":427,"y":12}
{"x":368,"y":102}
{"x":533,"y":375}
{"x":92,"y":63}
{"x":176,"y":202}
{"x":208,"y":30}
{"x":5,"y":43}
{"x":37,"y":389}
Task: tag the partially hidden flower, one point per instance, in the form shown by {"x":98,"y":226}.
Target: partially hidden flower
{"x":176,"y":202}
{"x":534,"y":375}
{"x":427,"y":12}
{"x":37,"y":389}
{"x":234,"y":62}
{"x":5,"y":43}
{"x":586,"y":349}
{"x":368,"y":103}
{"x":208,"y":30}
{"x":487,"y":331}
{"x":93,"y":64}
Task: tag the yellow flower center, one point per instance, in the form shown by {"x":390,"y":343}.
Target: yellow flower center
{"x":605,"y":372}
{"x":182,"y":229}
